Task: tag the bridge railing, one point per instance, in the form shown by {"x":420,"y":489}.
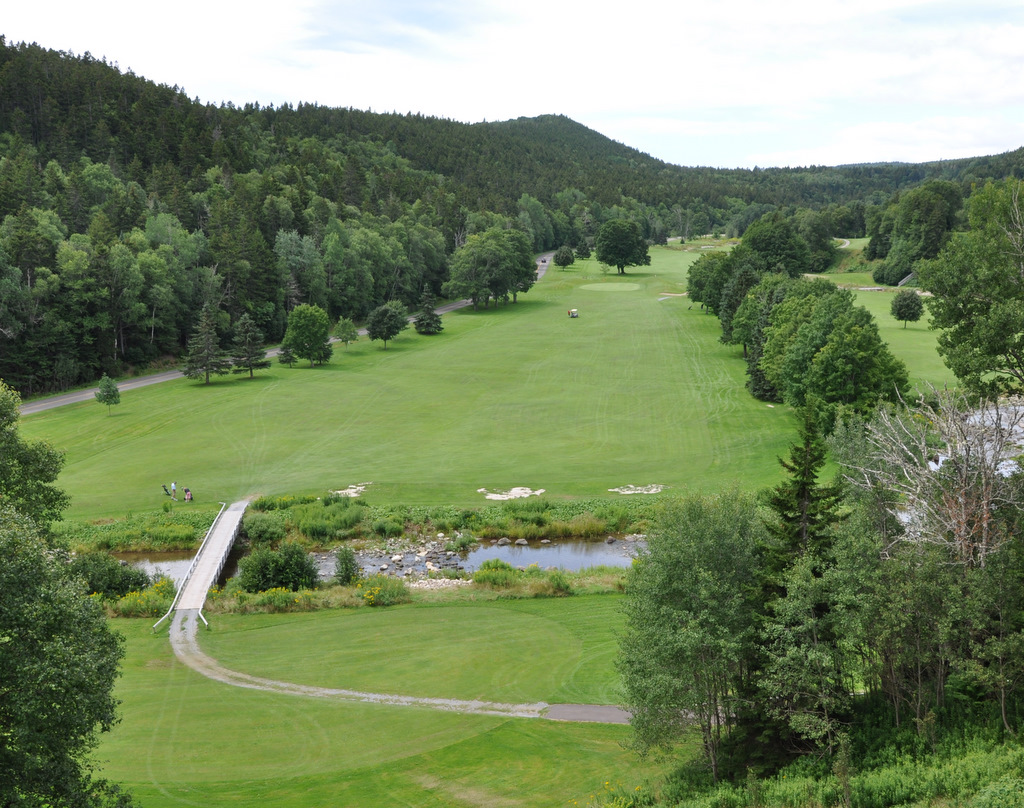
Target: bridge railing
{"x":223,"y":560}
{"x":192,"y":566}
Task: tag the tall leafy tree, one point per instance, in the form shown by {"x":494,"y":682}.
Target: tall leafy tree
{"x":345,"y":331}
{"x":977,"y":286}
{"x":387,"y":322}
{"x":108,"y":393}
{"x":28,"y":469}
{"x":564,"y":256}
{"x":907,"y":307}
{"x":58,"y":667}
{"x":691,"y":619}
{"x":621,"y":244}
{"x":309,"y":331}
{"x":777,"y":246}
{"x":205,"y":356}
{"x":249,"y":353}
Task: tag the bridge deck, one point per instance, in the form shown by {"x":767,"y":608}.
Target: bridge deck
{"x":212,"y":557}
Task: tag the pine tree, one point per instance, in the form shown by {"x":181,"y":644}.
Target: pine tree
{"x":286,"y":356}
{"x":428,"y":321}
{"x":205,"y":355}
{"x":249,"y":353}
{"x":805,"y":510}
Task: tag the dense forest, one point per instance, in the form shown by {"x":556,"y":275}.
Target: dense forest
{"x":126,"y":207}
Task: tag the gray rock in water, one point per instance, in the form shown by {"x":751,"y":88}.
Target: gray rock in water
{"x":522,"y":543}
{"x":504,"y":541}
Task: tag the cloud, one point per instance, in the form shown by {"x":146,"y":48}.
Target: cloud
{"x":732,"y":83}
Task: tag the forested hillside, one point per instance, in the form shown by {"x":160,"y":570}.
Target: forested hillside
{"x":126,"y":207}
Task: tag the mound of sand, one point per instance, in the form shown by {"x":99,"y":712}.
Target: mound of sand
{"x":512,"y":493}
{"x":353,"y":490}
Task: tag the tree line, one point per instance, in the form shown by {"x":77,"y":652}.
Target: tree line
{"x":877,"y":614}
{"x":126,"y":208}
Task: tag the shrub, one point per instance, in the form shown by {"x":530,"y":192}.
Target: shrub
{"x":107,"y":576}
{"x":496,"y":574}
{"x":153,"y":601}
{"x":280,"y":599}
{"x":289,"y":567}
{"x":460,"y":542}
{"x":327,"y":519}
{"x":383,"y":590}
{"x":280,"y":503}
{"x":263,"y":527}
{"x":346,"y":568}
{"x":388,"y":527}
{"x":559,"y":583}
{"x":171,"y":536}
{"x":1006,"y":793}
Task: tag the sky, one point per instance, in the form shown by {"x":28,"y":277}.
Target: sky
{"x":732,"y":83}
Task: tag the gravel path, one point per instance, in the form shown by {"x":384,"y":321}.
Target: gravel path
{"x":186,"y":649}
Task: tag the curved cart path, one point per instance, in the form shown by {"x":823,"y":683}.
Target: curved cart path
{"x":184,"y":628}
{"x":184,"y":642}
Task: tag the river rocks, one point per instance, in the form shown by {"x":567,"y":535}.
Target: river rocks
{"x":504,"y":541}
{"x":522,"y":543}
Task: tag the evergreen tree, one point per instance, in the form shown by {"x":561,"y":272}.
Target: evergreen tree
{"x":205,"y":356}
{"x":249,"y":352}
{"x":286,"y":356}
{"x":804,"y":509}
{"x":799,"y":693}
{"x":428,"y":321}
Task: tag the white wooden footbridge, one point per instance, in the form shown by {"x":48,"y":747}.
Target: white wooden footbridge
{"x":209,"y":561}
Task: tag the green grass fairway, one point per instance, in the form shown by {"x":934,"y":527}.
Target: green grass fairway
{"x":635,"y":391}
{"x":914,"y":344}
{"x":186,"y":740}
{"x":551,"y":649}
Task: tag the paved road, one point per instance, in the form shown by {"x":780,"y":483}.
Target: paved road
{"x":51,"y":402}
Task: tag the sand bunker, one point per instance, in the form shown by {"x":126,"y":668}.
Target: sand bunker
{"x":512,"y":493}
{"x":353,"y":490}
{"x":654,"y":488}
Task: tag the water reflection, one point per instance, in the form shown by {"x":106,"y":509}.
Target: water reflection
{"x":567,"y":555}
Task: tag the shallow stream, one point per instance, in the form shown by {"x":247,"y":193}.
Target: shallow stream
{"x":567,"y":555}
